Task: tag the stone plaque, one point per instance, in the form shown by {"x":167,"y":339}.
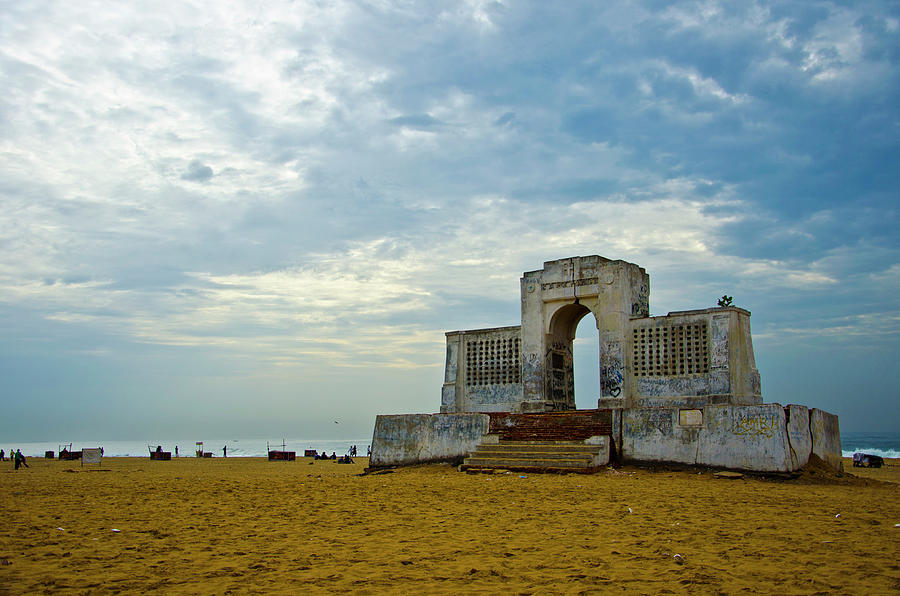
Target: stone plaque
{"x":690,"y":417}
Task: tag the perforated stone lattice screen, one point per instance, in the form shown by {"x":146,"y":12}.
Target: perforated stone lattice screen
{"x":493,"y":362}
{"x":670,"y":351}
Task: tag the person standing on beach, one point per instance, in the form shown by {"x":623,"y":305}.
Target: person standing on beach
{"x":176,"y":450}
{"x":225,"y":451}
{"x":20,"y":459}
{"x":2,"y":455}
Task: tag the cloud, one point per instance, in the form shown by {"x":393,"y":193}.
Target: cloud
{"x":383,"y":172}
{"x":393,"y":290}
{"x":197,"y":172}
{"x":416,"y":121}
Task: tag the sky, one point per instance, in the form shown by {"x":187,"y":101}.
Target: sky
{"x":259,"y":219}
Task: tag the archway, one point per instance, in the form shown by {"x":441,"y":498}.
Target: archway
{"x":586,"y":361}
{"x":560,"y":361}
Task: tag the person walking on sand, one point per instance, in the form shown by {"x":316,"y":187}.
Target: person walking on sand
{"x":2,"y":455}
{"x":20,"y":459}
{"x":225,"y":451}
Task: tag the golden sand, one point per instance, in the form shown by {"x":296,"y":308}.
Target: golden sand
{"x":247,"y":525}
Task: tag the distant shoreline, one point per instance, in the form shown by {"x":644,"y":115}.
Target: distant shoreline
{"x":886,"y":445}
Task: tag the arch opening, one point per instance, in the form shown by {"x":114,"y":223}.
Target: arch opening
{"x":586,"y":361}
{"x":560,"y":358}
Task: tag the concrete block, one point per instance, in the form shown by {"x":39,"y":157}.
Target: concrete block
{"x":601,"y":457}
{"x":798,"y":435}
{"x":826,"y":437}
{"x":745,"y":438}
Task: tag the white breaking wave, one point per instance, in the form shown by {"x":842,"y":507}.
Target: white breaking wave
{"x":886,"y":453}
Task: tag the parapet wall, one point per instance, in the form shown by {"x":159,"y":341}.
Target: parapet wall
{"x":404,"y":439}
{"x":764,"y":437}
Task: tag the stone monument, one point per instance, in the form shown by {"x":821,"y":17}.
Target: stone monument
{"x":676,"y":388}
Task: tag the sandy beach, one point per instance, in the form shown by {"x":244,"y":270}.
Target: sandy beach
{"x":245,"y":525}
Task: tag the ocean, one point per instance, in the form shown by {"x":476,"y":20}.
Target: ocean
{"x":186,"y":448}
{"x":883,"y":444}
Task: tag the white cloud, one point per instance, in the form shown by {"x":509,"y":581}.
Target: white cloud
{"x":348,"y":307}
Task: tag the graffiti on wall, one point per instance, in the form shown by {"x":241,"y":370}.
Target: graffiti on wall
{"x":611,"y":370}
{"x":610,"y":381}
{"x":641,"y":306}
{"x":649,"y":422}
{"x":755,"y":426}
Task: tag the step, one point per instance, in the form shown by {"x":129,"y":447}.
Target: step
{"x":533,"y":454}
{"x":548,"y":436}
{"x":539,"y":446}
{"x":529,"y":469}
{"x":507,"y":462}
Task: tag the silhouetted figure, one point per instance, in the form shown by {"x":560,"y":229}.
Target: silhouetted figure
{"x":333,"y":456}
{"x":159,"y":448}
{"x":2,"y":455}
{"x":20,"y":459}
{"x":225,"y":451}
{"x":176,"y":450}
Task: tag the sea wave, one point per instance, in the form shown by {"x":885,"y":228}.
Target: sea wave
{"x":892,"y":453}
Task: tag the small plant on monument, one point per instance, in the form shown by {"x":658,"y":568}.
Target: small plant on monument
{"x":726,"y":300}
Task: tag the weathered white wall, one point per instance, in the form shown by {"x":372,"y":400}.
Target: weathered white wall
{"x":464,"y":391}
{"x":751,"y":437}
{"x":745,"y":438}
{"x":404,"y":439}
{"x":653,"y":434}
{"x":761,"y":438}
{"x":732,"y":377}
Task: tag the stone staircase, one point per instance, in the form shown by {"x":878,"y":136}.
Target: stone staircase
{"x":538,"y":456}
